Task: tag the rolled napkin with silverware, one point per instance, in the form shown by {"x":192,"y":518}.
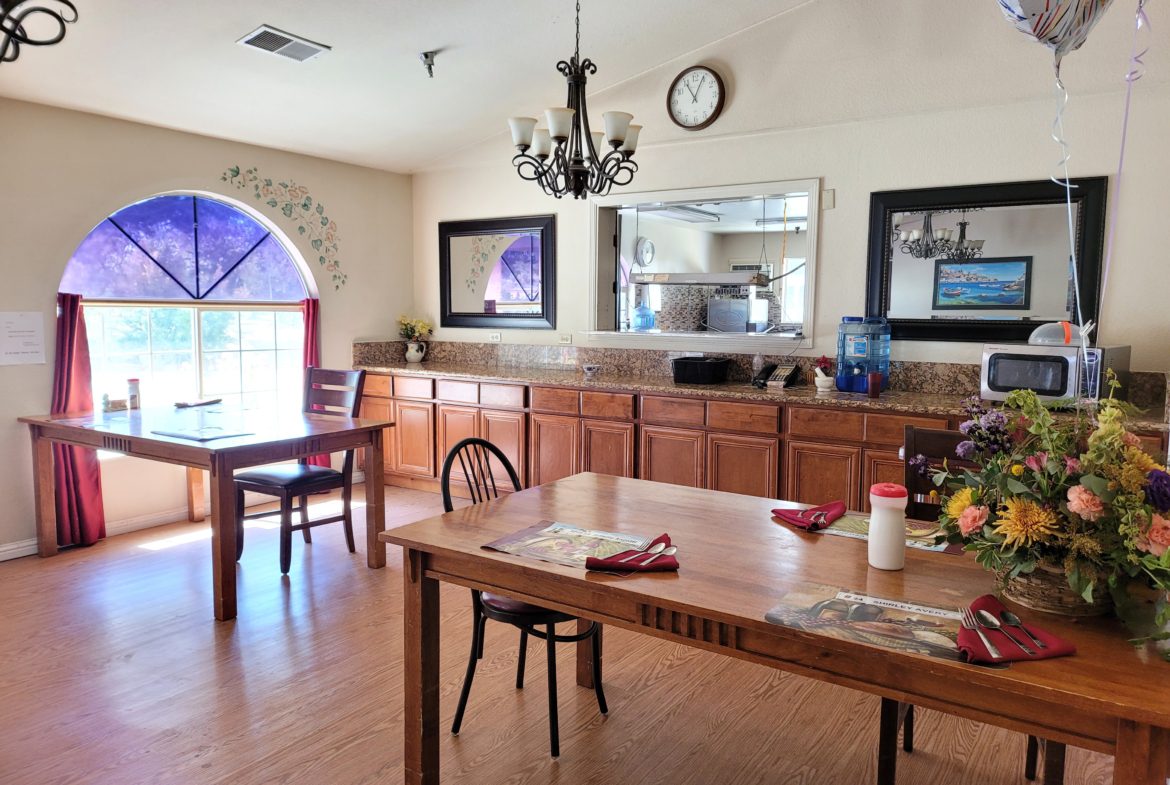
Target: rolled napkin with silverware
{"x":991,"y":633}
{"x":658,"y":556}
{"x":814,"y":518}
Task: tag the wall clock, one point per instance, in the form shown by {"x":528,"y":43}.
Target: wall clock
{"x":643,"y":252}
{"x":695,"y":98}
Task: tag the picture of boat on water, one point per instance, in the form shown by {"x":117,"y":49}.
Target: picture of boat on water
{"x":999,"y":284}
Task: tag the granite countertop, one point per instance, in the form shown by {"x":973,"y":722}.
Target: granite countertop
{"x":896,"y":401}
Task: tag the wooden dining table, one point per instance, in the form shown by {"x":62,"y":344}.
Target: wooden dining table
{"x":219,"y":439}
{"x":736,"y":562}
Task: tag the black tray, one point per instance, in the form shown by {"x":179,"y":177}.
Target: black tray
{"x":700,"y":370}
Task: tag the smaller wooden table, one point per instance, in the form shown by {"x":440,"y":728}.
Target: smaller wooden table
{"x":263,"y":435}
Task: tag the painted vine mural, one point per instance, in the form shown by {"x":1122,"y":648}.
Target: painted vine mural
{"x":295,"y":203}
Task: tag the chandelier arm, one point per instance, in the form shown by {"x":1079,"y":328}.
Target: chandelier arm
{"x":528,"y":167}
{"x":13,"y":32}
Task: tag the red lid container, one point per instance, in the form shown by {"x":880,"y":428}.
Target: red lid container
{"x":890,"y":490}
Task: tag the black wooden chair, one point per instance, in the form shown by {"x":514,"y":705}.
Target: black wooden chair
{"x":330,"y":393}
{"x":937,"y":445}
{"x":476,"y":458}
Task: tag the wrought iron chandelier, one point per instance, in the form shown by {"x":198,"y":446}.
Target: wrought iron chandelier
{"x":568,"y":158}
{"x":928,"y":242}
{"x":13,"y":20}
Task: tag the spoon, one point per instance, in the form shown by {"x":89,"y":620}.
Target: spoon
{"x":655,"y":549}
{"x":664,"y":552}
{"x":985,"y":619}
{"x":1012,"y":620}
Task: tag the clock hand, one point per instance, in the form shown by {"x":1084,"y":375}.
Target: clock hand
{"x":689,"y":90}
{"x":695,"y":95}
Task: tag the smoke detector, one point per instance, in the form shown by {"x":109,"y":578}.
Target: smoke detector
{"x":277,"y":42}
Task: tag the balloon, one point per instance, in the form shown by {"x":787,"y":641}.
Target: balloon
{"x":1061,"y":25}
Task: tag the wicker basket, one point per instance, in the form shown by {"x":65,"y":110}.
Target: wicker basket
{"x":1046,"y":589}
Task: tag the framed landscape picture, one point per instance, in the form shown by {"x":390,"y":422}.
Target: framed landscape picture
{"x":1003,"y":284}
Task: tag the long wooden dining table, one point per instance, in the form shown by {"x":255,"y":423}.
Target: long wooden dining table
{"x":219,"y":439}
{"x":736,"y":562}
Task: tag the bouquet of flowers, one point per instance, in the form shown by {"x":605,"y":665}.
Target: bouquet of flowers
{"x":414,"y":329}
{"x":1076,"y":493}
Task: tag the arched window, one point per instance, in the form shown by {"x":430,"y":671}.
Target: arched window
{"x":195,"y":298}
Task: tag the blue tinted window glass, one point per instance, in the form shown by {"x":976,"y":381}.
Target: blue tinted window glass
{"x":107,"y":266}
{"x":268,"y":274}
{"x":225,"y":237}
{"x":165,"y":228}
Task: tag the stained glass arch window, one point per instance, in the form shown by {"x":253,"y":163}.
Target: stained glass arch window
{"x":184,"y":247}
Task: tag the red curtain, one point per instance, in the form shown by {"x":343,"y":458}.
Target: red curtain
{"x":311,"y":308}
{"x":81,"y":518}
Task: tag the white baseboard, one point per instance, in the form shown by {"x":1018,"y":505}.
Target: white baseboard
{"x":15,"y":550}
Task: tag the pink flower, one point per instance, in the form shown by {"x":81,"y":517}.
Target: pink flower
{"x":1072,"y":465}
{"x":972,"y":519}
{"x":1158,"y":537}
{"x":1131,"y":440}
{"x":1037,"y":461}
{"x":1085,"y":503}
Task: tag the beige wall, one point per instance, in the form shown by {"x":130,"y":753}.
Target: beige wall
{"x":65,"y":171}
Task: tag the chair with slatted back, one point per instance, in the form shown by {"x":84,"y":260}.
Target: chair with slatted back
{"x":475,"y":458}
{"x":329,"y":393}
{"x":936,"y":446}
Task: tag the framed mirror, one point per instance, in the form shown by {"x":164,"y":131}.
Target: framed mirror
{"x":498,"y":273}
{"x":984,"y":262}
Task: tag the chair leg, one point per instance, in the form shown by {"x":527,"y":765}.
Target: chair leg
{"x":887,"y":742}
{"x":482,"y":627}
{"x":476,"y":648}
{"x":304,"y":502}
{"x":239,"y":524}
{"x":1053,"y":763}
{"x":347,"y":523}
{"x":520,"y":661}
{"x":1030,"y":758}
{"x":285,"y":534}
{"x":908,"y":729}
{"x":595,"y":642}
{"x":554,"y":730}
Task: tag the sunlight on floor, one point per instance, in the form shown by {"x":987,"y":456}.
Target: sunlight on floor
{"x":320,"y":509}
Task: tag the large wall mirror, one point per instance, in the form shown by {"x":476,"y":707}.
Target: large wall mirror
{"x":984,"y":262}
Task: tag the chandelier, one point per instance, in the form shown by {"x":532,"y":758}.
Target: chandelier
{"x":568,"y":158}
{"x":928,"y":242}
{"x":13,"y":16}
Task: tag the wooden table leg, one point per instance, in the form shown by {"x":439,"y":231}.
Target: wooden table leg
{"x":196,"y":510}
{"x":44,"y":493}
{"x":585,"y":654}
{"x":223,"y":538}
{"x":375,"y":502}
{"x":1142,"y":756}
{"x":421,"y":670}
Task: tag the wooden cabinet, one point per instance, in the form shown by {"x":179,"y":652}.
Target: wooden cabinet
{"x":379,"y":409}
{"x":456,"y":423}
{"x":508,"y":431}
{"x":413,"y":445}
{"x":820,"y":473}
{"x":743,"y":464}
{"x":880,"y":466}
{"x":554,"y":447}
{"x":607,"y":447}
{"x":674,"y":455}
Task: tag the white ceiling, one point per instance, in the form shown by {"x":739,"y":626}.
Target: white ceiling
{"x":368,"y":101}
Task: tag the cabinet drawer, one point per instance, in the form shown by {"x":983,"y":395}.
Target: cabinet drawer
{"x":754,"y":417}
{"x":377,"y":386}
{"x":502,"y":396}
{"x":413,"y":387}
{"x":673,"y":411}
{"x":613,"y":406}
{"x":891,"y":429}
{"x":459,"y":392}
{"x":826,"y":424}
{"x":555,"y":400}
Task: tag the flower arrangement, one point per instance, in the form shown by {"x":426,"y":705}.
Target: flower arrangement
{"x":825,"y":365}
{"x":414,"y":329}
{"x":1078,"y":494}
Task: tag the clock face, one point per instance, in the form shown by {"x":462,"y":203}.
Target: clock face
{"x":643,"y":252}
{"x":695,"y":98}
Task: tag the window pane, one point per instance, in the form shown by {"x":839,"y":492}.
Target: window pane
{"x":268,"y":274}
{"x":257,"y":330}
{"x":127,"y":330}
{"x":165,"y":228}
{"x":221,"y":373}
{"x":173,"y":378}
{"x":111,"y":377}
{"x":172,"y":329}
{"x":290,"y":374}
{"x":259,"y":371}
{"x":225,"y":236}
{"x":290,"y":330}
{"x":220,"y":330}
{"x":107,"y":266}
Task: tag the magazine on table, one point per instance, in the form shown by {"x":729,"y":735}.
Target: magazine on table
{"x":564,"y":543}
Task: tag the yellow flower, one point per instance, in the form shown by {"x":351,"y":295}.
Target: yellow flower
{"x":1023,"y":522}
{"x":1132,"y":472}
{"x":959,"y":501}
{"x":1018,"y":469}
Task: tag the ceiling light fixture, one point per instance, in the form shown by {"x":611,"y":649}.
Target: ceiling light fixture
{"x":13,"y":19}
{"x":928,"y":242}
{"x":566,"y":158}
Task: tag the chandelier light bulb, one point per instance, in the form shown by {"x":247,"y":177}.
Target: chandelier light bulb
{"x":541,"y":143}
{"x":560,"y":122}
{"x":522,"y":130}
{"x":616,"y":125}
{"x":631,"y":141}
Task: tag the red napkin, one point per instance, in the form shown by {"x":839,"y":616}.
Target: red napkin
{"x":971,"y":646}
{"x":814,"y":518}
{"x":614,"y":563}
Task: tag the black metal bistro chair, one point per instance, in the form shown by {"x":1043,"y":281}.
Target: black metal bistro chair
{"x":475,"y":458}
{"x":331,"y":393}
{"x":938,"y":445}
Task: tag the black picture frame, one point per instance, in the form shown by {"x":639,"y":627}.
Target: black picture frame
{"x":1088,"y":193}
{"x":544,"y":228}
{"x":943,"y":302}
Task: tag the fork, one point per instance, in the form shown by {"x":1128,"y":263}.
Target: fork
{"x":969,"y":623}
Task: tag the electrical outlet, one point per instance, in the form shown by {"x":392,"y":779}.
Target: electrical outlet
{"x":494,"y":337}
{"x":565,"y":337}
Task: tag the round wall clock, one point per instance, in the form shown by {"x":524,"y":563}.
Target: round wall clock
{"x":643,"y":252}
{"x":695,"y":98}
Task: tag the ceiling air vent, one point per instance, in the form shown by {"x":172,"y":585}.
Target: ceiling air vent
{"x":277,"y":42}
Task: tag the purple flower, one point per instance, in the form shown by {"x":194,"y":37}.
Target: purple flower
{"x":993,"y":421}
{"x":965,"y":450}
{"x":1158,"y":490}
{"x":966,"y":426}
{"x":920,"y":465}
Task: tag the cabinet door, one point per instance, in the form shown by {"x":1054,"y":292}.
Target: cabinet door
{"x":674,"y":455}
{"x":507,"y":431}
{"x":456,"y":423}
{"x":820,"y":473}
{"x":607,"y":447}
{"x":880,"y":466}
{"x":743,"y":464}
{"x":379,"y":409}
{"x":553,"y":447}
{"x":413,"y":445}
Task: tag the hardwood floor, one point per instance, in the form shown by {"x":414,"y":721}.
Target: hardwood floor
{"x":113,"y":670}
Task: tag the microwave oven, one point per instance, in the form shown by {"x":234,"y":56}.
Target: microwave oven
{"x":1052,"y":371}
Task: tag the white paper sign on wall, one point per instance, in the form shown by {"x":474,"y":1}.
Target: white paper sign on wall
{"x":22,"y":338}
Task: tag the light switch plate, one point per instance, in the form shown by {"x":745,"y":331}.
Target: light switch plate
{"x":494,"y":337}
{"x":565,"y":337}
{"x":828,"y":199}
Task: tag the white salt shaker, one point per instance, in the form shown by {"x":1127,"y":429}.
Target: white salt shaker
{"x":887,"y":526}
